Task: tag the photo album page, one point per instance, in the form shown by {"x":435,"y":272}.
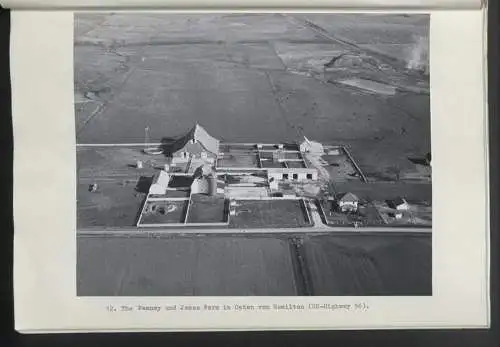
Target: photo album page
{"x":249,"y":168}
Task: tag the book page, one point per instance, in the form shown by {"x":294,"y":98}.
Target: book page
{"x":249,"y":170}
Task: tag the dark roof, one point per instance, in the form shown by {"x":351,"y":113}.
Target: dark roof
{"x":200,"y":136}
{"x":180,"y":181}
{"x":347,"y":197}
{"x":398,"y":201}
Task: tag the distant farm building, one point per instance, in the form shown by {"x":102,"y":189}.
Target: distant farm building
{"x":399,"y":204}
{"x":347,"y":202}
{"x":196,"y":143}
{"x":160,"y":183}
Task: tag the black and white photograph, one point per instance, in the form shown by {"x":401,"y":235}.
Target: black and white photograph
{"x":252,"y":154}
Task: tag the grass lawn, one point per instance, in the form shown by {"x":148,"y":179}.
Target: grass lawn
{"x":207,"y":209}
{"x":367,"y":215}
{"x":162,"y":212}
{"x":112,"y":205}
{"x":269,"y":214}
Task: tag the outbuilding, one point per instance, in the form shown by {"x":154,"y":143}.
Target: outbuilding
{"x":400,"y":204}
{"x":160,"y":183}
{"x":308,"y":146}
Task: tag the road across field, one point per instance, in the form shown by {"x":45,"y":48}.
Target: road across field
{"x":148,"y":232}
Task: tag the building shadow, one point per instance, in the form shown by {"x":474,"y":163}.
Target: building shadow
{"x":166,"y":145}
{"x":143,"y":184}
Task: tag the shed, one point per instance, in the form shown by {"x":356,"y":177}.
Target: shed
{"x":160,"y":183}
{"x":400,"y":204}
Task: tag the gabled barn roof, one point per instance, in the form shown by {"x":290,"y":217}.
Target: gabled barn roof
{"x":200,"y":136}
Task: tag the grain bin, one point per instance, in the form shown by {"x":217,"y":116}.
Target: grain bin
{"x":212,"y":185}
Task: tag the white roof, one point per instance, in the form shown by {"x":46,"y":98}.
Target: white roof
{"x":162,"y":178}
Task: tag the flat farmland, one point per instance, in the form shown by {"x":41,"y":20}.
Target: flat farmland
{"x":254,"y":265}
{"x":106,"y":162}
{"x":179,"y":265}
{"x":248,"y":78}
{"x":369,"y":265}
{"x":112,"y":205}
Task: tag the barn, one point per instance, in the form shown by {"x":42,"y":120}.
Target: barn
{"x":196,"y":143}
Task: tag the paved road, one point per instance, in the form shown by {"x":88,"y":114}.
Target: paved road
{"x":228,"y":231}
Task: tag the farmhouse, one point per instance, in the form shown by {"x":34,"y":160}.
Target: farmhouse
{"x":347,"y":202}
{"x":196,"y":143}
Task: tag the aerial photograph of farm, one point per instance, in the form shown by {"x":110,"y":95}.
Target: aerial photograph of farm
{"x":252,"y":154}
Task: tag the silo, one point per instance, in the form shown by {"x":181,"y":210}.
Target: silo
{"x":212,"y":184}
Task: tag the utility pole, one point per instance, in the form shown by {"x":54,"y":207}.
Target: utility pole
{"x":146,"y":137}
